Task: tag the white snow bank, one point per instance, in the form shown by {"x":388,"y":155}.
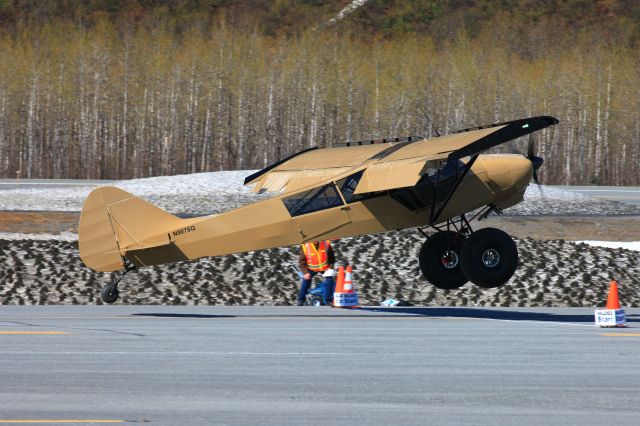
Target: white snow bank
{"x":214,"y":192}
{"x":214,"y":184}
{"x":549,"y":193}
{"x":629,"y":245}
{"x":230,"y":182}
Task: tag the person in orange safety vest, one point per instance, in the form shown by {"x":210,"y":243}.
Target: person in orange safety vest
{"x":315,"y":257}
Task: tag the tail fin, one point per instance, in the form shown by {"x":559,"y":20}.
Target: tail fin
{"x":113,"y":222}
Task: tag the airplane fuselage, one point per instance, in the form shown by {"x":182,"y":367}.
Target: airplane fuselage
{"x":498,"y":180}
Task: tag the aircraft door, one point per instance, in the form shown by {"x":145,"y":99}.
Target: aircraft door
{"x":318,"y":212}
{"x":322,"y":223}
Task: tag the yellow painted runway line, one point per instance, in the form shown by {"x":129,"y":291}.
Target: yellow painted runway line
{"x":620,"y":334}
{"x":33,"y":421}
{"x":46,"y":333}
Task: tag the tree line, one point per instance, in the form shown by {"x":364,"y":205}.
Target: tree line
{"x":107,"y":102}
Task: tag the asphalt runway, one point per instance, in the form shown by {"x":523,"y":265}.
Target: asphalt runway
{"x":49,"y":183}
{"x":303,"y":365}
{"x":621,"y":194}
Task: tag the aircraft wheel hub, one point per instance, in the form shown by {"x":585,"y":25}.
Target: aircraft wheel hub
{"x":449,"y":259}
{"x":490,"y":258}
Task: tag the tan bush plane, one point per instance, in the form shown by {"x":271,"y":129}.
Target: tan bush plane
{"x":352,"y":189}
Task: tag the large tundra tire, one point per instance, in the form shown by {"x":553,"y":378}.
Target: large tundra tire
{"x":440,"y":260}
{"x":489,"y":257}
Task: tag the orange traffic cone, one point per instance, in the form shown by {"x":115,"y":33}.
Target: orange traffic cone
{"x":340,"y":281}
{"x":348,"y":281}
{"x":613,"y":315}
{"x":612,"y":299}
{"x":346,"y":296}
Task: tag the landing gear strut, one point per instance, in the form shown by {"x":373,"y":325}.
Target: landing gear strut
{"x":110,"y":292}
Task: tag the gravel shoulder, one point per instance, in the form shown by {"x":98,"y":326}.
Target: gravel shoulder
{"x":552,"y":273}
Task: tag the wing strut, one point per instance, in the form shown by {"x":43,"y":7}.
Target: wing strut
{"x":435,"y":215}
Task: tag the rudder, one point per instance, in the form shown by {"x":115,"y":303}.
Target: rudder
{"x":113,"y":222}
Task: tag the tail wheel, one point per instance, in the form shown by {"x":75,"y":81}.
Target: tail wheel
{"x":110,"y":293}
{"x":440,"y":260}
{"x":489,"y":257}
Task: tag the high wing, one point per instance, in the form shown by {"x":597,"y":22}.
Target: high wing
{"x":312,"y":165}
{"x":388,"y":163}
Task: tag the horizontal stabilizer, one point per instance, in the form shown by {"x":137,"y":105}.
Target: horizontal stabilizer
{"x":113,"y":222}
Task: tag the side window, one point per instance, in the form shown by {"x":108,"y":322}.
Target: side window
{"x":451,"y":169}
{"x":422,"y":194}
{"x":348,"y":186}
{"x":314,"y":200}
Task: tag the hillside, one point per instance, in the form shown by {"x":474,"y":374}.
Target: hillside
{"x":375,"y":17}
{"x":126,"y":89}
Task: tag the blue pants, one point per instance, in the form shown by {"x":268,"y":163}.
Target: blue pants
{"x":328,"y":283}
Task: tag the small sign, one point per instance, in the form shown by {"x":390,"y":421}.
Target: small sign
{"x":345,"y":299}
{"x":610,"y":317}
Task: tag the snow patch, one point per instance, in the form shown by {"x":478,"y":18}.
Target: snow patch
{"x":208,"y":193}
{"x":225,"y":184}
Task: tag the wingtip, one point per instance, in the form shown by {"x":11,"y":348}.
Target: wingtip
{"x":550,"y":119}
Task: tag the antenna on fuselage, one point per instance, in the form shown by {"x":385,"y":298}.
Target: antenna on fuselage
{"x":428,"y":119}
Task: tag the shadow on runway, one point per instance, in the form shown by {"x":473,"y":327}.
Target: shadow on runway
{"x":497,"y":314}
{"x":508,"y":314}
{"x":170,"y":315}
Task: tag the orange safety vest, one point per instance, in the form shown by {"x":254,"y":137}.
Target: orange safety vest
{"x":317,"y":258}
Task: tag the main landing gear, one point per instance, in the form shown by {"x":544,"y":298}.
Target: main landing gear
{"x":450,"y":258}
{"x":110,"y":293}
{"x":440,"y":260}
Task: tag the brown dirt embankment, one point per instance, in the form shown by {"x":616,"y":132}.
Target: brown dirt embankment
{"x":28,"y":222}
{"x":571,"y":228}
{"x":608,"y":228}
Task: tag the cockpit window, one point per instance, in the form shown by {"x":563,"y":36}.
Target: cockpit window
{"x":324,"y":197}
{"x":450,"y":168}
{"x":348,"y":186}
{"x":424,"y":193}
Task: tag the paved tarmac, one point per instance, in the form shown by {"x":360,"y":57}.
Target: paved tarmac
{"x":303,"y":365}
{"x":622,"y":194}
{"x":49,"y":183}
